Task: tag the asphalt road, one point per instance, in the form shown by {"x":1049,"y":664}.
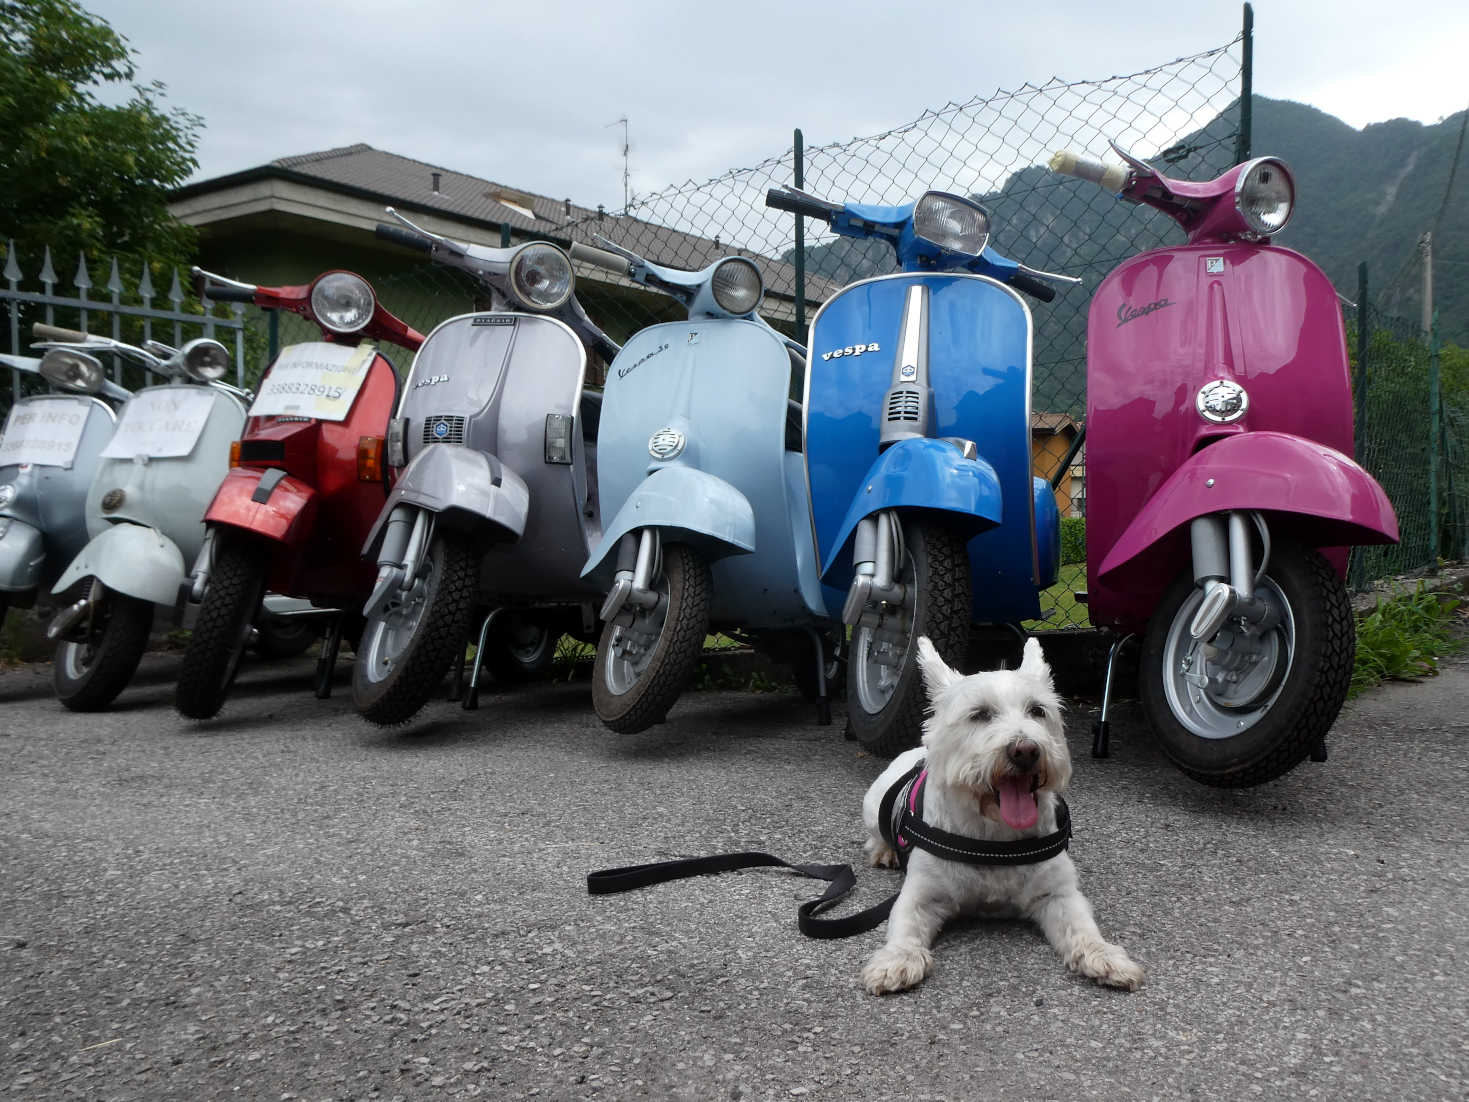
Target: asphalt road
{"x":287,"y":904}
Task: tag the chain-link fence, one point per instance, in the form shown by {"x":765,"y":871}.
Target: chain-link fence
{"x":1412,"y":408}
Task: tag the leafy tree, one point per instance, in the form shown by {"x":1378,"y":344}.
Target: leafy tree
{"x":80,"y":174}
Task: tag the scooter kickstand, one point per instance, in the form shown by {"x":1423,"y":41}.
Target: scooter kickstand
{"x":1101,"y":730}
{"x":823,"y":702}
{"x":326,"y":664}
{"x":471,"y":699}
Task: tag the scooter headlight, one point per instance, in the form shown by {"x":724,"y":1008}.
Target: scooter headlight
{"x":1265,"y":195}
{"x":342,"y":301}
{"x":540,"y":275}
{"x":72,"y":370}
{"x":737,"y":285}
{"x":951,"y":223}
{"x":205,"y":359}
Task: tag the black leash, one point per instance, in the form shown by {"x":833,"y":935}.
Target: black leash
{"x":900,"y":817}
{"x":840,"y":880}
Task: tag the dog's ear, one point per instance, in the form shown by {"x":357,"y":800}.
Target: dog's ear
{"x":1033,"y":664}
{"x":936,"y":672}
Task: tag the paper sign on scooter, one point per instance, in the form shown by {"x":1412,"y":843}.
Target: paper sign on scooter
{"x":316,"y":380}
{"x":43,"y":432}
{"x":162,"y":423}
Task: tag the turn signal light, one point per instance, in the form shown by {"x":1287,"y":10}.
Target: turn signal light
{"x":234,"y":453}
{"x":370,"y":459}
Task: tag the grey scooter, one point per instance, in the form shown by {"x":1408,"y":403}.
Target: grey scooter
{"x":496,"y":506}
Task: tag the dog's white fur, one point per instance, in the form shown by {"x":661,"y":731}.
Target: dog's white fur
{"x":976,"y":722}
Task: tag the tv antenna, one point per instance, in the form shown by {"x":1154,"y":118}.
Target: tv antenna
{"x":626,"y":173}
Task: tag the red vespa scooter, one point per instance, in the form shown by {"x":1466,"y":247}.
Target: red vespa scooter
{"x":1221,"y":492}
{"x":306,"y":481}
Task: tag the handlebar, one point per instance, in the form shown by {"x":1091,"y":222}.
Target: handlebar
{"x":1033,"y":287}
{"x":1108,"y":177}
{"x":601,"y":258}
{"x":405,"y":237}
{"x":781,"y":199}
{"x":224,"y":294}
{"x":45,"y":332}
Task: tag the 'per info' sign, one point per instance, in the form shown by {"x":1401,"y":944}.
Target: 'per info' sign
{"x":44,"y":431}
{"x":315,"y":380}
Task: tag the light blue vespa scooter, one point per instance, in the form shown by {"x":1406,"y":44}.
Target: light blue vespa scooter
{"x":699,"y":469}
{"x":927,"y":515}
{"x":49,"y":450}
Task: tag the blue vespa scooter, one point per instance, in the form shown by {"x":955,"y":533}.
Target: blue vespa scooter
{"x":926,"y":513}
{"x":699,"y":468}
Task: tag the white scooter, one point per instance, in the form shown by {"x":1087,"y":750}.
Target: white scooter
{"x":145,"y":508}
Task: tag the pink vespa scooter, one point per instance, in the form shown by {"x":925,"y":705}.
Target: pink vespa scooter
{"x":1221,"y":493}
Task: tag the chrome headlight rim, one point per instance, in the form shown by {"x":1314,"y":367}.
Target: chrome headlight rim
{"x":205,"y":359}
{"x":1249,"y":178}
{"x":328,"y":315}
{"x":925,"y":220}
{"x":528,"y":254}
{"x":722,"y":284}
{"x":72,"y":369}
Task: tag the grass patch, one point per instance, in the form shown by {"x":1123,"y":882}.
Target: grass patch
{"x":1403,"y":638}
{"x":1059,"y":607}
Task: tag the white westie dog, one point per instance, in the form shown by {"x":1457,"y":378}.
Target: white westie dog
{"x":996,"y":763}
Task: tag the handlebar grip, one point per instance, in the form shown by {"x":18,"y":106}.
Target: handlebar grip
{"x":797,"y":204}
{"x":589,"y":254}
{"x":405,"y":237}
{"x":1033,"y":287}
{"x":44,"y":332}
{"x":1107,"y":177}
{"x":226,"y":294}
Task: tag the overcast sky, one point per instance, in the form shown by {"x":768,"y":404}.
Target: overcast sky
{"x":528,"y":94}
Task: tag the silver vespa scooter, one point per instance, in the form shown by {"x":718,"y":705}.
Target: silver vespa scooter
{"x":145,"y":508}
{"x":495,"y":508}
{"x":49,"y":451}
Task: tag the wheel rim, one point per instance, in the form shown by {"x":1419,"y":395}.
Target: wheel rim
{"x":633,"y":644}
{"x":526,"y":641}
{"x":880,"y":650}
{"x":1223,"y":687}
{"x":77,"y":659}
{"x":386,"y":640}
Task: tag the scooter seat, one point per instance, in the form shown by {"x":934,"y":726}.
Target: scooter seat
{"x":793,"y":425}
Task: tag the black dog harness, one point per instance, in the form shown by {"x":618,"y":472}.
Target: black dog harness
{"x":901,"y":822}
{"x":900,"y":819}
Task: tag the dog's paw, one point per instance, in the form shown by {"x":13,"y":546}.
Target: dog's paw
{"x":1110,"y":965}
{"x":896,"y":969}
{"x":879,"y":854}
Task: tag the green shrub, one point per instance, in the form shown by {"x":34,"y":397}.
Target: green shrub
{"x":1073,"y":540}
{"x":1403,"y":637}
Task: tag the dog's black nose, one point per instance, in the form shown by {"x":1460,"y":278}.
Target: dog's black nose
{"x":1023,"y":754}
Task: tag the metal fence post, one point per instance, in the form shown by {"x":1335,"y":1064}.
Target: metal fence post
{"x":1246,"y":88}
{"x":800,"y":165}
{"x":1434,"y":413}
{"x":1357,"y":578}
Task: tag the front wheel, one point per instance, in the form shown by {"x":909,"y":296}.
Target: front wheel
{"x":642,"y":667}
{"x":885,"y":694}
{"x":406,"y":652}
{"x":236,"y":585}
{"x":1249,"y":705}
{"x":88,"y":675}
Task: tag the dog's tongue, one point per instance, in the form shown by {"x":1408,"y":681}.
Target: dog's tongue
{"x":1017,"y":803}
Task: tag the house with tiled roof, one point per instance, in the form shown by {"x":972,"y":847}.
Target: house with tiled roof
{"x":288,"y":220}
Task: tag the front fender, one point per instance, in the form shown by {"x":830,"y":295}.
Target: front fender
{"x":129,"y":558}
{"x":1272,"y":472}
{"x":693,"y":506}
{"x":449,"y":479}
{"x":265,"y":502}
{"x":22,"y":554}
{"x":924,"y":474}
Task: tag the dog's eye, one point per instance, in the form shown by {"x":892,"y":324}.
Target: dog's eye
{"x":1037,"y":711}
{"x":982,"y":715}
